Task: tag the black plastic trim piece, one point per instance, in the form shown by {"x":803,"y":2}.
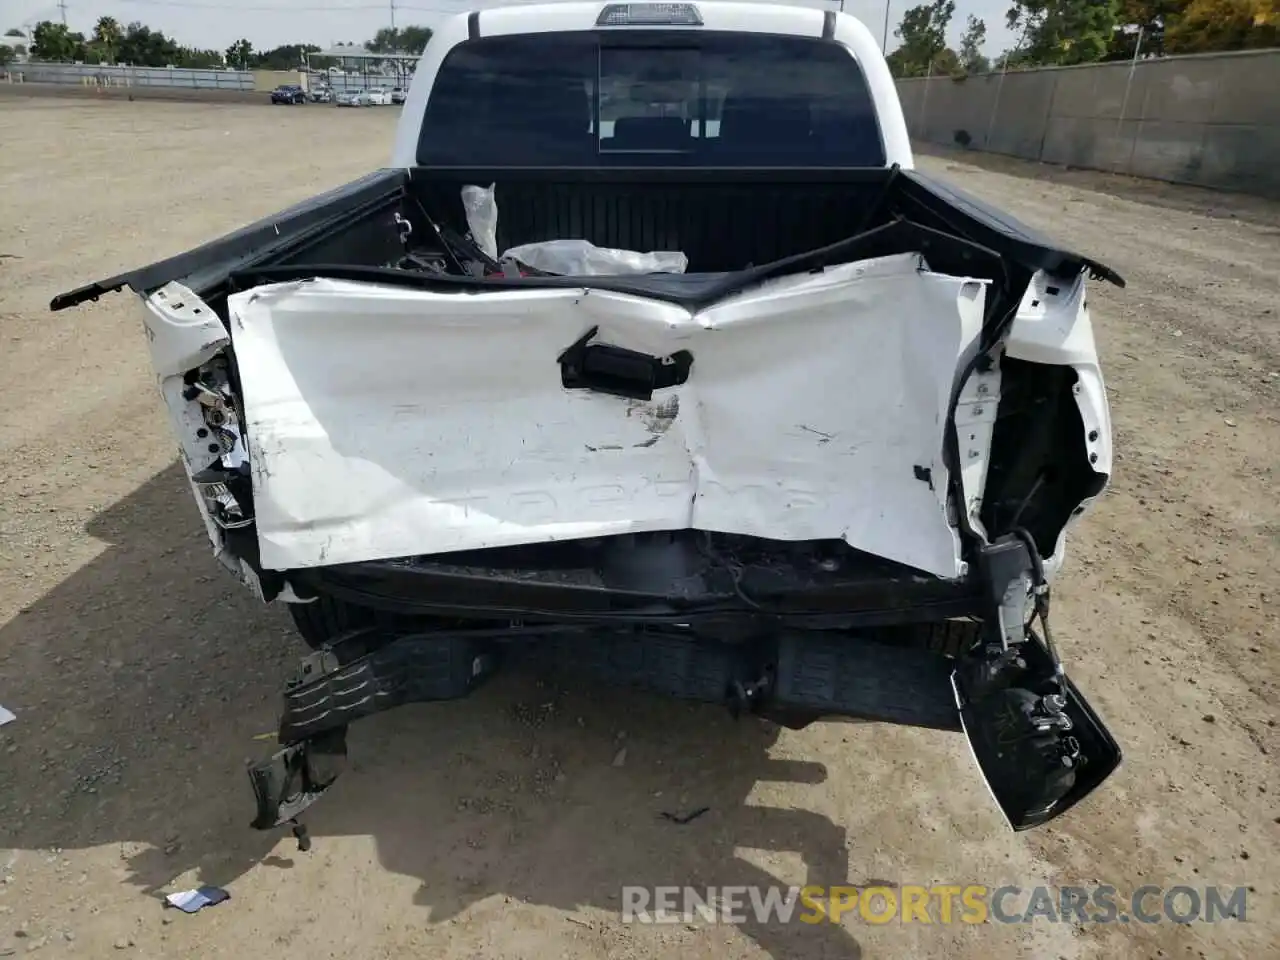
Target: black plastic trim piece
{"x":665,"y":175}
{"x":414,"y":668}
{"x":692,"y":291}
{"x":835,"y":675}
{"x":828,"y":25}
{"x":473,"y":25}
{"x":291,"y":780}
{"x":994,"y":227}
{"x":864,"y":674}
{"x":426,"y":587}
{"x":620,"y":372}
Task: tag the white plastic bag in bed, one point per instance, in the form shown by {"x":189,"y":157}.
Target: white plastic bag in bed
{"x":581,"y":258}
{"x":481,"y":209}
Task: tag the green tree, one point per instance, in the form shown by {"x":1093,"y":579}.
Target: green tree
{"x":971,"y":56}
{"x":288,"y":57}
{"x":144,"y":47}
{"x":414,"y":39}
{"x":54,"y":42}
{"x":6,"y":54}
{"x":1064,"y":31}
{"x":198,"y":59}
{"x":240,"y":54}
{"x":1206,"y":25}
{"x":386,"y":40}
{"x":1151,"y":18}
{"x":400,"y":40}
{"x":107,"y":36}
{"x":923,"y":32}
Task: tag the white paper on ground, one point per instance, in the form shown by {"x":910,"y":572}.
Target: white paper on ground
{"x":189,"y":901}
{"x":6,"y":716}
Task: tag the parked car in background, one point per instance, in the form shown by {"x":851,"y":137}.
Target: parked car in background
{"x":288,"y":93}
{"x":322,"y":95}
{"x":380,"y":96}
{"x":353,"y":98}
{"x":398,"y":94}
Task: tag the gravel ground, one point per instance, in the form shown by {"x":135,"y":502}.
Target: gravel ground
{"x":505,"y":826}
{"x":74,"y":91}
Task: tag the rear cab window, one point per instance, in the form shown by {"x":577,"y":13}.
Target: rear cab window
{"x":650,"y":99}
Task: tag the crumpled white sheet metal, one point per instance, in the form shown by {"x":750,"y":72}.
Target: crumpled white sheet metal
{"x":388,"y":422}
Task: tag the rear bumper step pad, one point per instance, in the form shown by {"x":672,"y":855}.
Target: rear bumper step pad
{"x":806,"y":673}
{"x":844,"y":676}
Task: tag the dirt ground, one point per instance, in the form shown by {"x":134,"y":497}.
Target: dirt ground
{"x":72,"y":91}
{"x":501,"y":826}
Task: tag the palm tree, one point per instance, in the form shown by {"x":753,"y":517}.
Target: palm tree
{"x":107,"y":34}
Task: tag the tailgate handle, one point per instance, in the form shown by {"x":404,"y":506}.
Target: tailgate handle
{"x":618,"y":371}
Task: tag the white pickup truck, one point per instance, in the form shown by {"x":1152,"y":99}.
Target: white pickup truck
{"x":650,"y":353}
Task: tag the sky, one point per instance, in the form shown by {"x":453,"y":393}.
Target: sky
{"x":209,"y":24}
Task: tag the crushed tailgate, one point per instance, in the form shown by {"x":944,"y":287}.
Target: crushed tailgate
{"x":387,"y":422}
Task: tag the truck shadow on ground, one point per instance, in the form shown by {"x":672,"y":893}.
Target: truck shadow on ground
{"x":141,"y":681}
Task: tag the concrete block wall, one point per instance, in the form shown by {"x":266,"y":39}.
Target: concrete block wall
{"x":1211,"y":120}
{"x":102,"y":75}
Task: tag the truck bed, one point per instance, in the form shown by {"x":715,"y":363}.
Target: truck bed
{"x":738,"y":228}
{"x":723,"y":220}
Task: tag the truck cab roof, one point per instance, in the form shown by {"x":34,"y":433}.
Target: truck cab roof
{"x":716,"y":15}
{"x":854,"y":79}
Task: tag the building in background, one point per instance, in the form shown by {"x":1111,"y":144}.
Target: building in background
{"x":15,"y":49}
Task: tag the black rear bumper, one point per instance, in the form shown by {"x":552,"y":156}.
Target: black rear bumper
{"x":796,"y":673}
{"x":655,"y":579}
{"x":901,"y":648}
{"x":794,"y":677}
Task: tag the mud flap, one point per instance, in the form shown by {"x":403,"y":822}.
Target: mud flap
{"x":1040,"y":746}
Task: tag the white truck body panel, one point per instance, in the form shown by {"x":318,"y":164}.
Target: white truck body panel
{"x":736,"y":17}
{"x":388,"y":422}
